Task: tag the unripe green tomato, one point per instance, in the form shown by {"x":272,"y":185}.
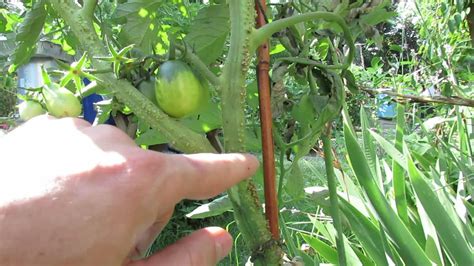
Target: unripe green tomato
{"x":61,"y":102}
{"x":179,"y":92}
{"x":30,"y":109}
{"x":147,"y":88}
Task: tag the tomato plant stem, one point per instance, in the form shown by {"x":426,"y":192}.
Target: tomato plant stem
{"x":198,"y":65}
{"x":89,"y":7}
{"x":260,"y":35}
{"x":244,"y":198}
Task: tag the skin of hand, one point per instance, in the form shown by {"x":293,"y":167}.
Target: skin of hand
{"x":73,"y":194}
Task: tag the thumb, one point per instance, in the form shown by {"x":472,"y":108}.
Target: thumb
{"x":203,"y":247}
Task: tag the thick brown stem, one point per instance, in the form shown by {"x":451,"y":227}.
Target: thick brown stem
{"x":271,"y":204}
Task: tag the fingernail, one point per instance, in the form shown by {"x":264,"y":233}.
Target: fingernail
{"x":253,"y":158}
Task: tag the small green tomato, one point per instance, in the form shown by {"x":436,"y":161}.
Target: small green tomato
{"x":30,"y":109}
{"x":61,"y":102}
{"x":179,"y":92}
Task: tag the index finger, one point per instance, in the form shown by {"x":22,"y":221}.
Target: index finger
{"x":205,"y":175}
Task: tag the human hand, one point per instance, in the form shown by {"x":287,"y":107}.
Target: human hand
{"x":73,"y":194}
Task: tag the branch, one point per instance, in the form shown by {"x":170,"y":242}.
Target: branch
{"x":88,"y":7}
{"x":265,"y":32}
{"x":422,"y":99}
{"x":199,"y":65}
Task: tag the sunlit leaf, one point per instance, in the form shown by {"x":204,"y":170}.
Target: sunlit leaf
{"x":208,"y":32}
{"x":28,"y":35}
{"x":213,"y":208}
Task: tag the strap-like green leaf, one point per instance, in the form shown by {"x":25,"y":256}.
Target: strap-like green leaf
{"x":452,"y":238}
{"x":326,"y":251}
{"x":367,"y":233}
{"x":409,"y":249}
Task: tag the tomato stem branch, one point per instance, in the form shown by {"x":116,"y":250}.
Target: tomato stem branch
{"x":244,"y":198}
{"x":199,"y":65}
{"x":89,"y":7}
{"x":263,"y":33}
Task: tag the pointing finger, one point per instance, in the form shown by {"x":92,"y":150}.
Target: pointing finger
{"x":201,"y":176}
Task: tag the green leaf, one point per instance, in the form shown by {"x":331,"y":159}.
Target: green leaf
{"x":367,"y":233}
{"x":375,"y":62}
{"x":213,"y":208}
{"x":104,"y":108}
{"x":397,"y":169}
{"x":304,"y":113}
{"x":253,"y":140}
{"x":452,"y":26}
{"x":390,"y":149}
{"x":409,"y":249}
{"x":469,"y":207}
{"x":295,"y":181}
{"x":277,"y":49}
{"x":291,"y":241}
{"x":432,"y":247}
{"x":28,"y":35}
{"x":7,"y":46}
{"x":150,"y":137}
{"x":396,"y":48}
{"x":209,"y":31}
{"x":391,"y":252}
{"x":452,"y":238}
{"x":459,"y":5}
{"x":368,"y":143}
{"x":207,"y":119}
{"x":142,"y":24}
{"x":325,"y":250}
{"x":351,"y":83}
{"x":352,"y":257}
{"x":377,"y":16}
{"x":252,"y":94}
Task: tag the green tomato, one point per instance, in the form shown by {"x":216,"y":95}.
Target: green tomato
{"x":147,"y":88}
{"x":30,"y":109}
{"x":61,"y":102}
{"x":179,"y":92}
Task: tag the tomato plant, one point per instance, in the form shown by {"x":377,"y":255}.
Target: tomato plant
{"x":311,"y":46}
{"x":179,"y":92}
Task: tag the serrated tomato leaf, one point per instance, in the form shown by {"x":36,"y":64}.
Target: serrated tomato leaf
{"x":208,"y":32}
{"x":141,"y":23}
